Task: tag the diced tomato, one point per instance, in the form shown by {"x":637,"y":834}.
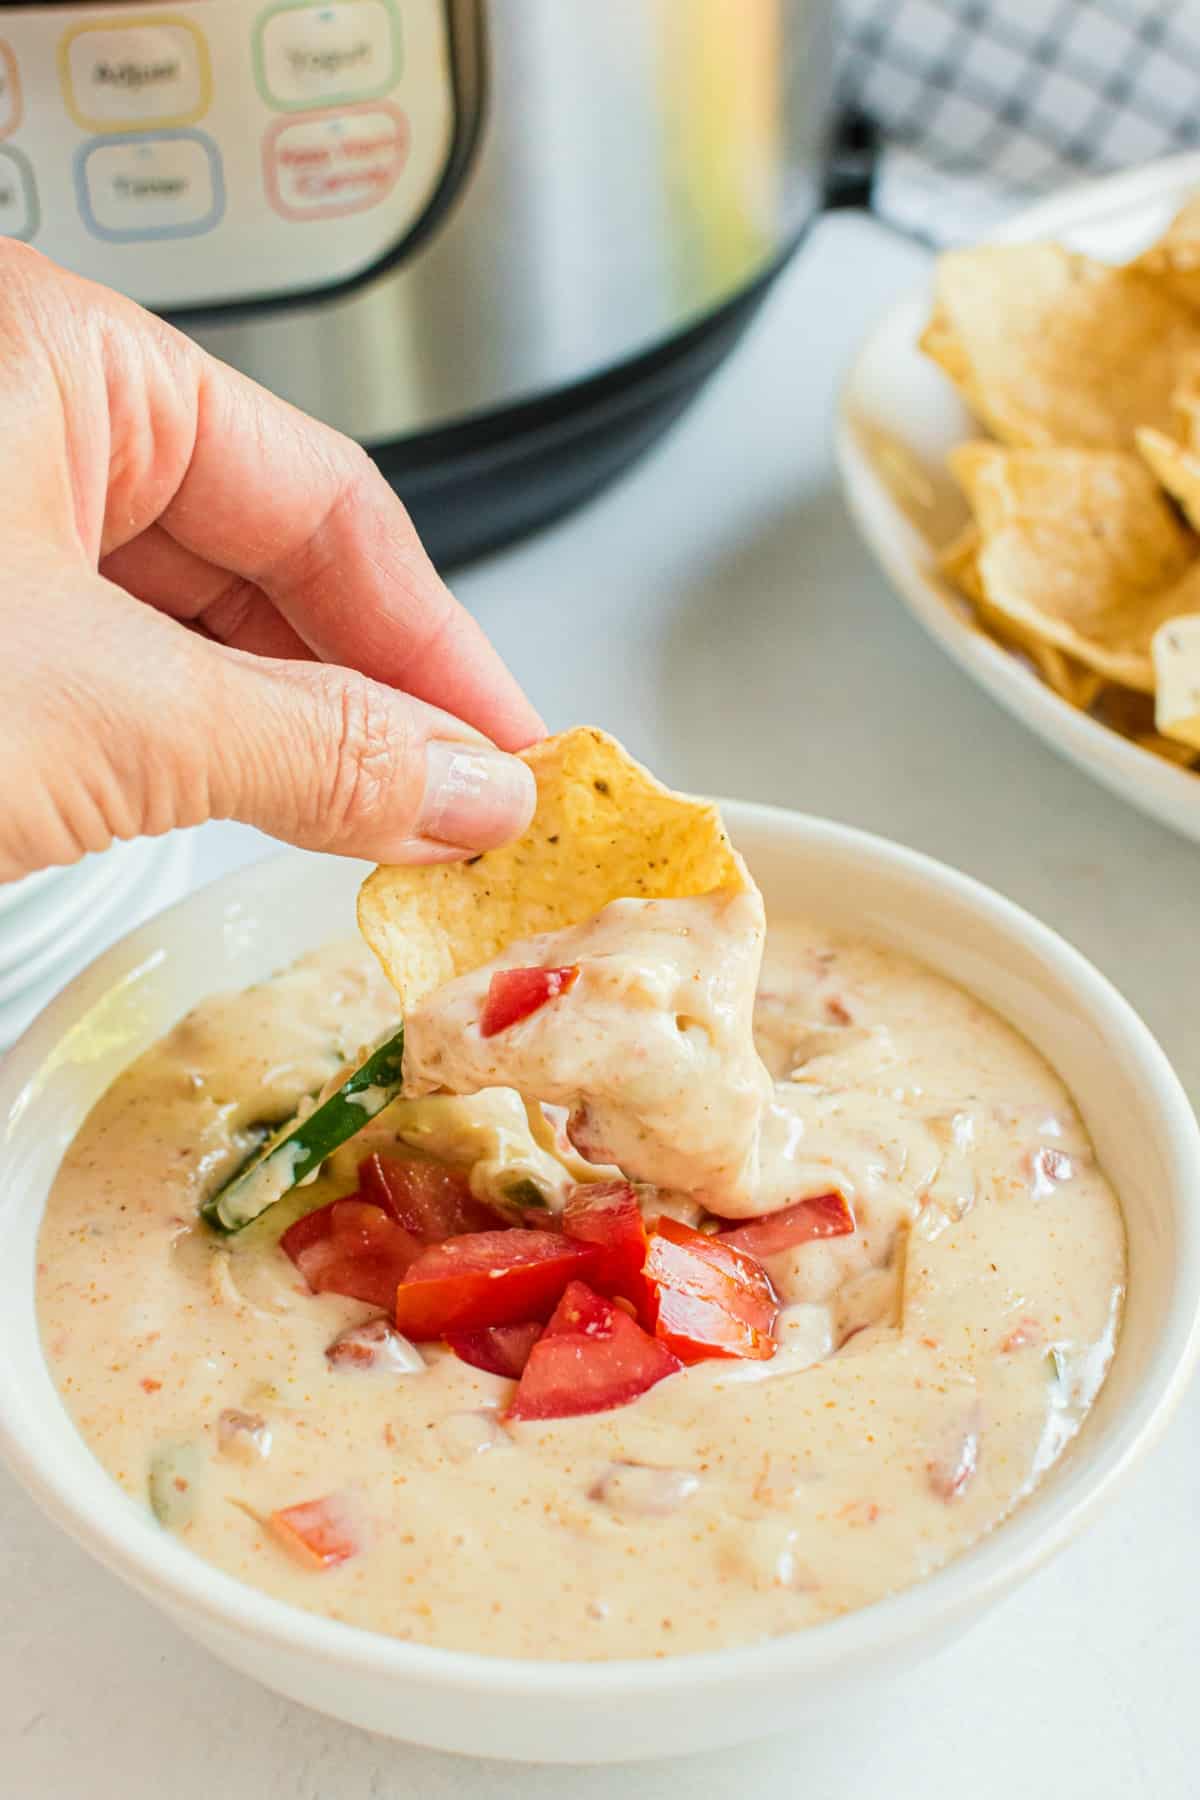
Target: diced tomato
{"x":489,"y":1278}
{"x":353,"y":1248}
{"x":514,"y":994}
{"x":497,"y":1349}
{"x":590,"y":1358}
{"x":707,"y":1296}
{"x":607,"y":1213}
{"x":317,"y":1532}
{"x":309,"y":1230}
{"x":427,"y":1198}
{"x":825,"y":1216}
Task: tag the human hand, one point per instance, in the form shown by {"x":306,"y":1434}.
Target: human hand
{"x":214,"y":607}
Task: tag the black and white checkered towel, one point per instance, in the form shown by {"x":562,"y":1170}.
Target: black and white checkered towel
{"x":982,"y":105}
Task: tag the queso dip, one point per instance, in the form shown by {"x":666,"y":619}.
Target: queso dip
{"x":925,"y":1365}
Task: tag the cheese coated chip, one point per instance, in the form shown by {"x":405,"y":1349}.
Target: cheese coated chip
{"x":604,"y":829}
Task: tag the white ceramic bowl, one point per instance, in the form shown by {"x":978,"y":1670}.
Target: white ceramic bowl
{"x":249,"y":924}
{"x":897,"y":404}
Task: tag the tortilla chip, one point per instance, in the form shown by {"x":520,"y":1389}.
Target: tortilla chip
{"x":1177,"y":467}
{"x":1050,"y":348}
{"x":604,"y":830}
{"x":959,"y":562}
{"x":1184,"y":756}
{"x":1124,"y":710}
{"x":1176,"y":652}
{"x":1070,"y":679}
{"x":942,"y":345}
{"x":1175,"y":259}
{"x":1080,"y":551}
{"x":1133,"y":716}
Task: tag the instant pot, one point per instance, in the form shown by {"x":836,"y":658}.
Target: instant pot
{"x":500,"y":242}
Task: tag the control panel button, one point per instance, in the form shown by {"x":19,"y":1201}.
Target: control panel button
{"x":18,"y":196}
{"x":116,"y":74}
{"x":156,"y":185}
{"x":334,"y":163}
{"x":10,"y":91}
{"x":308,"y":56}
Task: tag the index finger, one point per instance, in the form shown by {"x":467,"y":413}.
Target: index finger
{"x":288,"y":503}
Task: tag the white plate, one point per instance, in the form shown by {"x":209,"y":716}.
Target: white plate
{"x":30,"y":932}
{"x":896,"y":405}
{"x":153,"y":873}
{"x":16,"y":894}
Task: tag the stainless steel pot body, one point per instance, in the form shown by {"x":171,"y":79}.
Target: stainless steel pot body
{"x":546,"y":189}
{"x":637,"y":164}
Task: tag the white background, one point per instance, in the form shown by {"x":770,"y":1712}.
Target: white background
{"x":716,"y":611}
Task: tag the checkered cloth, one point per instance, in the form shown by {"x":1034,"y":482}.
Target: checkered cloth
{"x":981,"y":105}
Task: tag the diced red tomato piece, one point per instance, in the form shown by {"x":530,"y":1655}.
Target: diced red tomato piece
{"x":488,"y":1278}
{"x":607,"y":1213}
{"x":707,"y":1296}
{"x":824,"y":1216}
{"x":497,"y":1349}
{"x":427,"y":1198}
{"x":310,"y":1229}
{"x":353,"y":1248}
{"x":590,"y":1358}
{"x":514,"y":994}
{"x":319,"y":1533}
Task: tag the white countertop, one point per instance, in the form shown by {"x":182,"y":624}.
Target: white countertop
{"x":716,"y":611}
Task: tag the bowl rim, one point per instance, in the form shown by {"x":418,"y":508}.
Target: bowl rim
{"x":1145,"y":780}
{"x":164,"y":1570}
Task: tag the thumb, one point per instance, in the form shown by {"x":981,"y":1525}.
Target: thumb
{"x":328,"y":759}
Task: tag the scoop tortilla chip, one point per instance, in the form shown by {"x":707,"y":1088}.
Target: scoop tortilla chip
{"x":1177,"y":467}
{"x":1080,"y":551}
{"x":1175,"y":259}
{"x":1176,"y":651}
{"x":604,"y":830}
{"x":1049,"y":348}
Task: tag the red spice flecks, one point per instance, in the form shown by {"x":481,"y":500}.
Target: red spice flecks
{"x":1024,"y":1334}
{"x":860,"y":1512}
{"x":837,"y":1012}
{"x":149,"y":1385}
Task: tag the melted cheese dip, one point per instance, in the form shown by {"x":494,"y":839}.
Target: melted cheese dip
{"x":931,"y":1366}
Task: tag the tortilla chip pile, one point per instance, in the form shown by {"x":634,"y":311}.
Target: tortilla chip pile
{"x":604,"y":830}
{"x":1083,"y":550}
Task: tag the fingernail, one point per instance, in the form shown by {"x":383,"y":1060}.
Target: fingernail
{"x":413,"y":851}
{"x":474,"y":796}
